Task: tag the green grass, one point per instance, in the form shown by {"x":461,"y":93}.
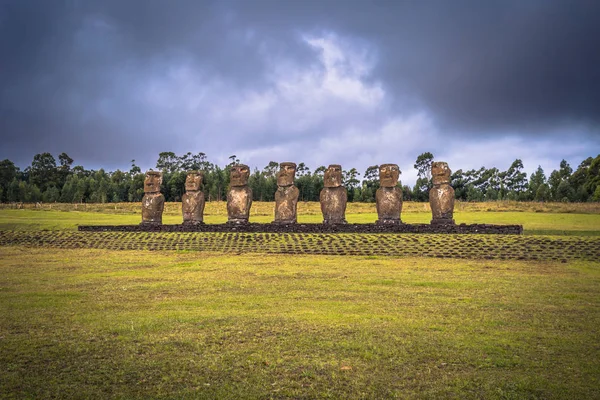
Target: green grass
{"x":234,"y":315}
{"x":129,"y":324}
{"x":533,"y":222}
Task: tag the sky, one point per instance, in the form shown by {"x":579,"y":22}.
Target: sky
{"x":350,"y":82}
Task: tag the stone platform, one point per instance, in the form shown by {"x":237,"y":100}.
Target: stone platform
{"x":314,"y":228}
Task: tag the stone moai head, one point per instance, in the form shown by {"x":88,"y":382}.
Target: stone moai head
{"x":152,"y":182}
{"x":239,"y":174}
{"x":286,"y":174}
{"x":193,"y":181}
{"x":440,"y":172}
{"x":388,"y":175}
{"x":333,"y":176}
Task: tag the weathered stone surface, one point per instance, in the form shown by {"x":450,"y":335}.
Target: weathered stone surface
{"x":286,"y":196}
{"x":239,"y":196}
{"x":192,"y":202}
{"x":315,"y":228}
{"x":388,"y":197}
{"x":333,"y":197}
{"x":441,"y":196}
{"x":333,"y":176}
{"x":153,"y":202}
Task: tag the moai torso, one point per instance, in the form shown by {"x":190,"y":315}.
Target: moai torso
{"x":286,"y":196}
{"x":239,"y":196}
{"x":153,"y":202}
{"x":441,"y":196}
{"x":192,"y":201}
{"x":389,"y":197}
{"x":333,"y":197}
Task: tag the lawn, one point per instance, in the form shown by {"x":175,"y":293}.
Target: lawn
{"x":536,"y":218}
{"x":127,"y":324}
{"x":232,"y":315}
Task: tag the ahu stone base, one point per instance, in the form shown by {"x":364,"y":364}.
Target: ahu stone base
{"x":314,"y":228}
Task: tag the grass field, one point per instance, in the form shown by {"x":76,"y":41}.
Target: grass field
{"x":536,"y":218}
{"x":148,"y":315}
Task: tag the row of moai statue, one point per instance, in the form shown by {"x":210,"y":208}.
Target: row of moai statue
{"x":333,"y":197}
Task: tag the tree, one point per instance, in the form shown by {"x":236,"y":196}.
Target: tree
{"x":596,"y":195}
{"x":8,"y":172}
{"x":553,"y":182}
{"x":592,"y":182}
{"x":407,"y":194}
{"x":423,"y":184}
{"x":80,"y":190}
{"x":270,"y":171}
{"x":193,"y":162}
{"x":578,"y":180}
{"x":537,"y":179}
{"x":423,"y":165}
{"x":175,"y":186}
{"x":99,"y":186}
{"x":68,"y":190}
{"x":370,"y":184}
{"x":565,"y":192}
{"x":459,"y":181}
{"x":64,"y":170}
{"x":351,"y":183}
{"x":119,"y":184}
{"x":43,"y":172}
{"x":302,"y":170}
{"x":515,"y":180}
{"x":542,"y":193}
{"x":13,"y":191}
{"x":233,"y":160}
{"x":565,"y":169}
{"x":168,"y":162}
{"x":134,"y":169}
{"x":51,"y":195}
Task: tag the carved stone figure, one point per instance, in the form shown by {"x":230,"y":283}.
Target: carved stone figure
{"x":441,"y":196}
{"x":333,"y":196}
{"x":286,"y":196}
{"x":239,"y":196}
{"x":192,"y":201}
{"x":153,"y":202}
{"x":389,"y":197}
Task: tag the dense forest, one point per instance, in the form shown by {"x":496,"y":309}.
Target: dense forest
{"x":47,"y":181}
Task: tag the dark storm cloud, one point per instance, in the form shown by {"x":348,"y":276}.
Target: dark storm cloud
{"x":96,"y":78}
{"x":475,"y":64}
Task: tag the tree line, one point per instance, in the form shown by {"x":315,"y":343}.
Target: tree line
{"x":46,"y":180}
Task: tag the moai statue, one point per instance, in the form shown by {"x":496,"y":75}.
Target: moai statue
{"x":192,"y":202}
{"x":388,"y":196}
{"x":333,"y":196}
{"x":239,"y":197}
{"x":153,"y":202}
{"x":441,"y":196}
{"x":286,"y":196}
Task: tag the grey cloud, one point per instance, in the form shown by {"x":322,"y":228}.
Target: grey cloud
{"x":75,"y":76}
